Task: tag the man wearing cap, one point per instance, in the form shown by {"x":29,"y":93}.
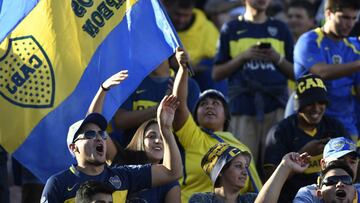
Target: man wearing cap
{"x":306,"y":131}
{"x":87,"y":142}
{"x":335,"y":182}
{"x":341,"y":149}
{"x":330,"y":53}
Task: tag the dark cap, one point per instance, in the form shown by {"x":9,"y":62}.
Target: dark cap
{"x":95,"y":118}
{"x":212,"y":93}
{"x":218,"y":156}
{"x":310,"y":89}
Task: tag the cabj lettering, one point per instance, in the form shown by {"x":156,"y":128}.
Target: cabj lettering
{"x":309,"y":83}
{"x":19,"y":79}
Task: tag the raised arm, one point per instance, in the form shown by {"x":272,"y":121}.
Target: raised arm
{"x":97,"y":106}
{"x":291,"y":162}
{"x":171,"y":168}
{"x":180,"y":89}
{"x":98,"y":101}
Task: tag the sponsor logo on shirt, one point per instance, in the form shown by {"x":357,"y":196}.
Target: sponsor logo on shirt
{"x":140,"y":91}
{"x":71,"y":188}
{"x":239,"y":32}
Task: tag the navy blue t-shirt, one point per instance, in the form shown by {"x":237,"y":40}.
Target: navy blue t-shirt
{"x":256,"y":78}
{"x":62,"y":187}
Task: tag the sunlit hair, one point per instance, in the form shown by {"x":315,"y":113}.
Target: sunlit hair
{"x":137,"y":142}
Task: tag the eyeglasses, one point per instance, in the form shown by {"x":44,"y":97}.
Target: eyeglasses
{"x":332,"y":180}
{"x":91,"y":134}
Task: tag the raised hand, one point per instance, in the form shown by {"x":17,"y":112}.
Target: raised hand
{"x":296,"y":162}
{"x":115,"y":79}
{"x":166,"y":111}
{"x":182,"y":57}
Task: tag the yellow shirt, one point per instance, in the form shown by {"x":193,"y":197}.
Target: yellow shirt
{"x":200,"y":39}
{"x":196,"y":143}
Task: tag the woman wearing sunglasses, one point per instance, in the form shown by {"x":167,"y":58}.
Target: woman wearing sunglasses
{"x":145,"y":147}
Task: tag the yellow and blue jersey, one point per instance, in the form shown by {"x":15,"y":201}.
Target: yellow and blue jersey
{"x":196,"y":143}
{"x":238,"y":36}
{"x":62,"y":187}
{"x":313,"y":48}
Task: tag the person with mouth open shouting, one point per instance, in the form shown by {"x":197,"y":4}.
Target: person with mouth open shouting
{"x":87,"y":142}
{"x":146,"y":146}
{"x":308,"y":130}
{"x":335,"y":183}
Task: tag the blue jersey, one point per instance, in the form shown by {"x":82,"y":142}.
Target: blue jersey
{"x":62,"y":187}
{"x":313,"y":48}
{"x":149,"y":93}
{"x":257,"y":84}
{"x":156,"y":194}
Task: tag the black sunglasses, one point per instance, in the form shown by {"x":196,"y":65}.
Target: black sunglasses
{"x":91,"y":134}
{"x":332,"y":180}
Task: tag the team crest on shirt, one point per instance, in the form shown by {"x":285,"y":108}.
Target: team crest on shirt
{"x":336,"y":59}
{"x":272,"y":31}
{"x":115,"y":181}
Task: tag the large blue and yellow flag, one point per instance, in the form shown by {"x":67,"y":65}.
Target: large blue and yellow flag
{"x":53,"y":61}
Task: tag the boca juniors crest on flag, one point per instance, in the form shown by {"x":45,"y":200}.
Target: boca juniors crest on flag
{"x":54,"y":54}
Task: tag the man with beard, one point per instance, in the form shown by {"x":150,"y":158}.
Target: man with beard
{"x":87,"y":142}
{"x":330,"y":53}
{"x":306,"y":131}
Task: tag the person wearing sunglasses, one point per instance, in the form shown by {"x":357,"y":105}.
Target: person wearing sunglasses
{"x":336,"y":184}
{"x":341,"y":149}
{"x":146,"y":146}
{"x":86,"y":141}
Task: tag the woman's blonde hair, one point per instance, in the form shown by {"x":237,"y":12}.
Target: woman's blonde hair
{"x":137,"y":142}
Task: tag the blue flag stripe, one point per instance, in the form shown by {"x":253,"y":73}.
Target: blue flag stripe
{"x":11,"y":14}
{"x":142,"y":43}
